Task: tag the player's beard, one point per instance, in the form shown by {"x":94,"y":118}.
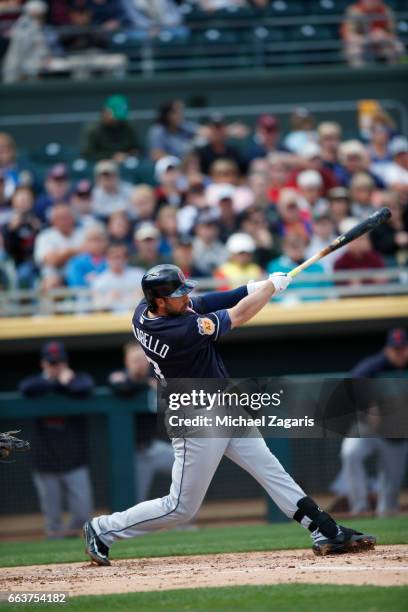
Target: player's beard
{"x":172,"y":312}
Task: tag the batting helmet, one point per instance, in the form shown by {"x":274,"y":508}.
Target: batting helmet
{"x":165,"y":280}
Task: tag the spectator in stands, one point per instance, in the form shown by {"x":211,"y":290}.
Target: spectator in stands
{"x":5,"y":208}
{"x":224,"y":171}
{"x":361,"y":195}
{"x":253,"y":221}
{"x":222,"y":200}
{"x":354,"y":158}
{"x":358,"y":255}
{"x":369,"y":34}
{"x":330,"y":135}
{"x":8,"y":163}
{"x":120,"y":229}
{"x":168,"y":228}
{"x":113,"y":136}
{"x":150,"y":15}
{"x":84,"y":267}
{"x":147,"y":242}
{"x":294,"y":253}
{"x":208,"y":250}
{"x":194,"y":202}
{"x":258,"y":184}
{"x":391,"y":238}
{"x":240,"y":267}
{"x":211,"y":6}
{"x":290,"y":219}
{"x":55,"y":245}
{"x":170,"y":181}
{"x":143,"y":204}
{"x":172,"y":134}
{"x":382,"y":130}
{"x":110,"y":192}
{"x":310,"y":185}
{"x":311,"y":159}
{"x":266,"y":139}
{"x":218,"y":147}
{"x":32,"y":44}
{"x":392,"y":453}
{"x":7,"y":268}
{"x":20,"y":234}
{"x":119,"y":287}
{"x":339,"y":206}
{"x":80,"y":35}
{"x":322,"y":235}
{"x":183,"y":257}
{"x":59,"y":451}
{"x":57,"y":188}
{"x":105,"y":13}
{"x":302,"y":130}
{"x":278,"y":175}
{"x":152,"y":455}
{"x":395,"y":173}
{"x":81,"y":204}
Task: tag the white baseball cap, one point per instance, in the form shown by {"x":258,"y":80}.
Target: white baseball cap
{"x":347,"y":224}
{"x":309,"y":178}
{"x":399,"y":145}
{"x":164,"y":164}
{"x":146,"y":230}
{"x":217,"y":192}
{"x":35,"y":7}
{"x":240,"y":243}
{"x":310,"y":150}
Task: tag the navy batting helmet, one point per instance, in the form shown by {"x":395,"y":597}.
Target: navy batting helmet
{"x":165,"y":280}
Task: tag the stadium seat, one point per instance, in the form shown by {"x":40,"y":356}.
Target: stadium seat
{"x":81,"y":169}
{"x":167,"y":38}
{"x":144,"y":172}
{"x":215,"y":36}
{"x":53,"y":153}
{"x":312,"y":32}
{"x":266,"y":34}
{"x":285,"y":8}
{"x":328,"y":7}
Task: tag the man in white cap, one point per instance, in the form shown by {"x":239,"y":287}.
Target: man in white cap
{"x":146,"y":242}
{"x":310,"y":185}
{"x":311,"y":159}
{"x":240,"y":267}
{"x":31,"y":44}
{"x":395,"y":173}
{"x":110,"y":192}
{"x":170,"y":181}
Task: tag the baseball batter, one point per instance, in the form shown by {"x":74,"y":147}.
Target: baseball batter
{"x":179,"y":336}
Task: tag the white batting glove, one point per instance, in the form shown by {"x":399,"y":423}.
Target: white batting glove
{"x":280,"y":281}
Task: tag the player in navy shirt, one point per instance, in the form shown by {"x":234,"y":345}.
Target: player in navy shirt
{"x":178,"y":335}
{"x":183,"y":346}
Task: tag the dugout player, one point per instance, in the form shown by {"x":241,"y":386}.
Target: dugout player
{"x":178,"y":335}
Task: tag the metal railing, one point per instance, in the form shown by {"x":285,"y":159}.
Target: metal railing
{"x":309,"y":287}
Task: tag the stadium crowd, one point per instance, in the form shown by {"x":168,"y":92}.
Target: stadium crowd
{"x":219,"y":206}
{"x":78,"y":37}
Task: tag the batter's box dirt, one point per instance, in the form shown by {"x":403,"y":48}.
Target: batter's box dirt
{"x":384,"y":566}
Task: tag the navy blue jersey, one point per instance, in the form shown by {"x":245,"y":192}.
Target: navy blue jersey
{"x":183,"y":346}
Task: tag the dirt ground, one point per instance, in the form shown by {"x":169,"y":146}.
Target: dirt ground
{"x":386,"y":566}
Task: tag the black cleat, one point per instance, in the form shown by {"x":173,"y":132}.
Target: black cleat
{"x":94,"y":547}
{"x":348,"y":540}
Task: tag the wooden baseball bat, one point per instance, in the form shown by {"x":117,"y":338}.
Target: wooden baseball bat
{"x":380,"y":216}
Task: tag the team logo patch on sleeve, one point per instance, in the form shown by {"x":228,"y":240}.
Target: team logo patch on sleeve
{"x":206,"y":327}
